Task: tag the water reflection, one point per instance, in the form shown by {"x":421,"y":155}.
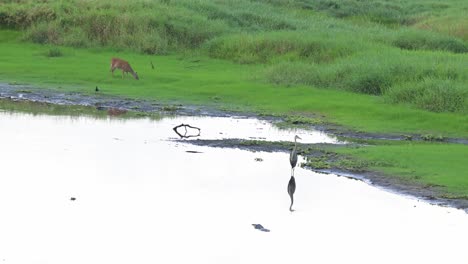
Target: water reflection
{"x":291,"y":190}
{"x":127,"y":204}
{"x":213,"y":127}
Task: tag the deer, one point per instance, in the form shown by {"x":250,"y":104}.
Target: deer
{"x":117,"y":63}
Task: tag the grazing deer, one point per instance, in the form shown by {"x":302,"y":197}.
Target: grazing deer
{"x":117,"y":63}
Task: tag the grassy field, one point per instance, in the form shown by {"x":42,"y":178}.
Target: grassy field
{"x":374,"y":66}
{"x":203,"y":80}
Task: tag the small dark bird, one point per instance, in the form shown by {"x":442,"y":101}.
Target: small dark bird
{"x":293,"y":155}
{"x":152,"y":66}
{"x":97,"y":89}
{"x":260,"y":227}
{"x":291,"y":190}
{"x":72,"y":199}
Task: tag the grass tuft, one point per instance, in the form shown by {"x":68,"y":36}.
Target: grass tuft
{"x":54,"y":52}
{"x":431,"y":94}
{"x":413,"y":40}
{"x":308,"y":46}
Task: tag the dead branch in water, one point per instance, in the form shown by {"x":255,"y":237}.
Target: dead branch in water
{"x":185,"y":135}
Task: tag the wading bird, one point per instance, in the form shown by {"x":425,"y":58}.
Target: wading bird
{"x":291,"y":190}
{"x":97,"y":89}
{"x":293,"y":155}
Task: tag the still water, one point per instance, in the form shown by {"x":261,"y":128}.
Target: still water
{"x":141,"y":198}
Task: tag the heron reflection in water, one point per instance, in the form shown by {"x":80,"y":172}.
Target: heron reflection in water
{"x":291,"y":190}
{"x":292,"y":181}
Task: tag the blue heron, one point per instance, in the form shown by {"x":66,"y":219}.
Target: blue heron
{"x":293,"y":155}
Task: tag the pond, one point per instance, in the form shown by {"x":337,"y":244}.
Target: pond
{"x":85,"y":190}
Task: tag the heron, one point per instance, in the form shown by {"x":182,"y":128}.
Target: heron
{"x":291,"y":190}
{"x":293,"y":155}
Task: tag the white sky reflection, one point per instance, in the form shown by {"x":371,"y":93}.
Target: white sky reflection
{"x":141,"y":198}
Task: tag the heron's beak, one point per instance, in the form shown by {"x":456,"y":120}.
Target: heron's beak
{"x":298,"y":137}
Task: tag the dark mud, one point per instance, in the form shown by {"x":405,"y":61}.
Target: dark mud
{"x":104,"y":102}
{"x":346,"y":134}
{"x":257,"y":145}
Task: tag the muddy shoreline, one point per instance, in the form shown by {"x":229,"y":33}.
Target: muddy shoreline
{"x":430,"y":194}
{"x":101,"y":101}
{"x":104,"y":102}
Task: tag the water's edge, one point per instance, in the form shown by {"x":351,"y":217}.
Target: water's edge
{"x":103,"y":102}
{"x":429,"y":194}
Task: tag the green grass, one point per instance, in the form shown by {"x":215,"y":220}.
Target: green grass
{"x":440,"y":165}
{"x":362,"y":46}
{"x":201,"y":80}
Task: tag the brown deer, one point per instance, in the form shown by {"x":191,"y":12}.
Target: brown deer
{"x":117,"y":63}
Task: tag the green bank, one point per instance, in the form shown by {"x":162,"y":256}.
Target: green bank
{"x":438,"y":166}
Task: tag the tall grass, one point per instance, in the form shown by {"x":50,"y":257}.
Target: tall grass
{"x":377,"y":11}
{"x":312,"y":46}
{"x":432,"y":94}
{"x":147,"y":26}
{"x":153,"y":26}
{"x":431,"y":81}
{"x":422,"y":40}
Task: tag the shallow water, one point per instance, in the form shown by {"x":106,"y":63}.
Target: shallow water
{"x":141,"y":198}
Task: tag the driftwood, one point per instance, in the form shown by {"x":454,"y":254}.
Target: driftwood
{"x":185,"y":135}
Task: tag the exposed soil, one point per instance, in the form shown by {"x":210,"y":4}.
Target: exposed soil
{"x":105,"y":102}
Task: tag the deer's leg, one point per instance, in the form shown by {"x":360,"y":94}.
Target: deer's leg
{"x":123,"y":73}
{"x":112,"y":69}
